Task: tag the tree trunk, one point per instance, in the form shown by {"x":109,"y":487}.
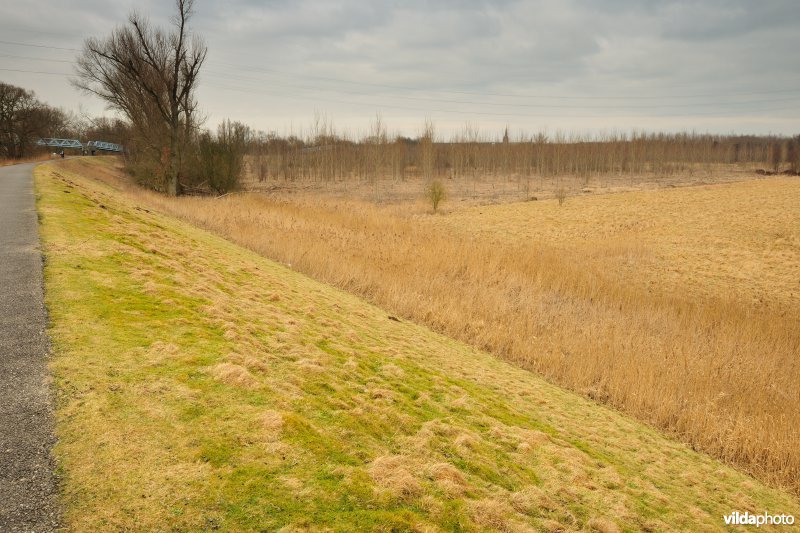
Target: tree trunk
{"x":172,"y":177}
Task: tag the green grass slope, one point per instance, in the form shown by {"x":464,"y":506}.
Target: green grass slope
{"x":201,"y":386}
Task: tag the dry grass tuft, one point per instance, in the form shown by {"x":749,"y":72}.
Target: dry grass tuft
{"x":251,"y":363}
{"x":552,"y":526}
{"x":393,"y":473}
{"x":272,"y":421}
{"x":465,"y":442}
{"x":491,"y":513}
{"x":531,"y":500}
{"x":236,"y":375}
{"x":160,"y":350}
{"x":449,"y":478}
{"x":392,"y":371}
{"x":603,"y":525}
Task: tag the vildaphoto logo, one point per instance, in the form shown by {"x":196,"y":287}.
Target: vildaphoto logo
{"x":765,"y":519}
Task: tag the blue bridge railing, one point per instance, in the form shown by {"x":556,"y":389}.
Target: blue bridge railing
{"x":74,"y":143}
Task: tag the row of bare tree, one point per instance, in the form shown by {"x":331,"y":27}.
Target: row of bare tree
{"x":326,"y":156}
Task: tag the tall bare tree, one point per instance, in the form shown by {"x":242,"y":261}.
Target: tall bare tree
{"x":23,"y":119}
{"x":150,"y":74}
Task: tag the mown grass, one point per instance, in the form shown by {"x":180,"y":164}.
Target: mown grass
{"x":201,"y":386}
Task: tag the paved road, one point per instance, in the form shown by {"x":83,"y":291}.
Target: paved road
{"x":28,"y":486}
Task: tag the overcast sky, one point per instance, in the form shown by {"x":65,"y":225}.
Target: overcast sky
{"x":715,"y":66}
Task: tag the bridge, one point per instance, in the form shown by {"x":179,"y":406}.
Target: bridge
{"x":74,"y":143}
{"x":101,"y":145}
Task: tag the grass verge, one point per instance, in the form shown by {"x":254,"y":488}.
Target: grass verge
{"x":201,"y":386}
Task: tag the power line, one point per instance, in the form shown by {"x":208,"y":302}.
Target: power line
{"x":40,"y":46}
{"x":463,"y":102}
{"x":525,"y":105}
{"x":455,"y":111}
{"x":36,"y":72}
{"x":508,"y":95}
{"x":28,"y":58}
{"x":462,"y":112}
{"x":413,"y":89}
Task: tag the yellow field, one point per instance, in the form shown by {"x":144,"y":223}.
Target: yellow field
{"x":678,"y":306}
{"x":736,"y":242}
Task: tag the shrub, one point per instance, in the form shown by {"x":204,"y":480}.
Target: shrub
{"x":435,"y":193}
{"x":220,"y":157}
{"x":561,"y":195}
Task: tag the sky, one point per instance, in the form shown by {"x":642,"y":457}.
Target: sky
{"x":573,"y":66}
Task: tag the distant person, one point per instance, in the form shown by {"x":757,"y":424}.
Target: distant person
{"x":61,"y":154}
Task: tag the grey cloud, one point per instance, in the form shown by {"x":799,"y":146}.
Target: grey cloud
{"x":719,"y":20}
{"x":525,"y":47}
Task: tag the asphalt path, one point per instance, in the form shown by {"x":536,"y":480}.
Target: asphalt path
{"x":28,"y":485}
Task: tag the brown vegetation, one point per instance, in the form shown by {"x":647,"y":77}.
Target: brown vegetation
{"x":679,"y":306}
{"x":31,"y":159}
{"x":324,"y":156}
{"x":474,"y":168}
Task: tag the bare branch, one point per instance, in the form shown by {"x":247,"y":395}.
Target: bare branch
{"x":149,"y":75}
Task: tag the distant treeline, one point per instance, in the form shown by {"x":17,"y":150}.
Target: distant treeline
{"x":214,"y":161}
{"x":331,"y":157}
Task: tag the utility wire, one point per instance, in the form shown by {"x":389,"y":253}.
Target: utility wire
{"x":461,"y":112}
{"x":40,"y":46}
{"x":412,"y":89}
{"x":527,"y":105}
{"x":509,"y":95}
{"x":28,"y":58}
{"x":35,"y":72}
{"x":455,"y":111}
{"x":463,"y":102}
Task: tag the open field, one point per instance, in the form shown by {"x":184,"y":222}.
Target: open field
{"x":679,"y":307}
{"x":738,"y":243}
{"x":201,"y":386}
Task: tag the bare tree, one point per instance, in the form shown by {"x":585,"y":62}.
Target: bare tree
{"x":427,"y":155}
{"x":149,"y":75}
{"x":23,"y":119}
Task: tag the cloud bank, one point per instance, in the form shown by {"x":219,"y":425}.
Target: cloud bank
{"x":575,"y":65}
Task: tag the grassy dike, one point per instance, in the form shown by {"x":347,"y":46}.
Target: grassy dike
{"x":201,"y":386}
